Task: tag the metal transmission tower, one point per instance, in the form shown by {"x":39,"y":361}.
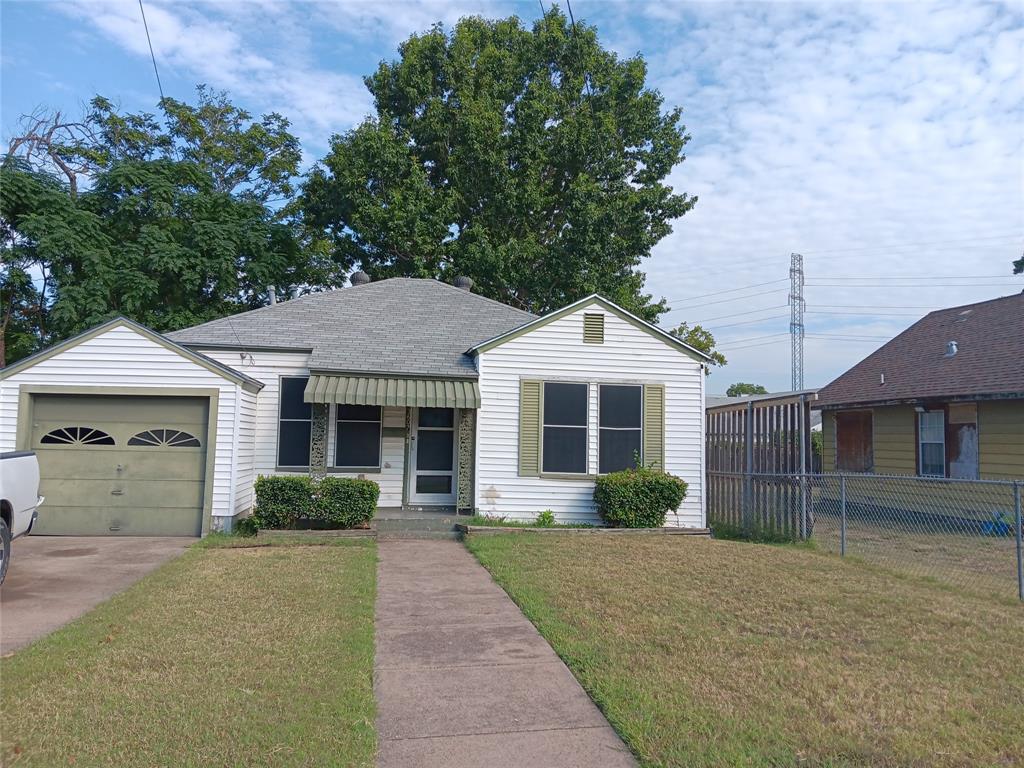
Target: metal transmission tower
{"x":796,"y":317}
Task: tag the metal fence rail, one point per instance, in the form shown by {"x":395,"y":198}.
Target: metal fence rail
{"x":964,"y":532}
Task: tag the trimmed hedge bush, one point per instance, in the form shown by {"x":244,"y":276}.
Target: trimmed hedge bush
{"x":282,"y":500}
{"x":344,"y":502}
{"x":638,"y":498}
{"x":290,"y":501}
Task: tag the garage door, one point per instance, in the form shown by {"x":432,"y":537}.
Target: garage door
{"x":125,"y":465}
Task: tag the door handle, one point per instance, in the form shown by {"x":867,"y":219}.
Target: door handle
{"x":117,"y":492}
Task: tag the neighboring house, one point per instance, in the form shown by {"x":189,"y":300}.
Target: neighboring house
{"x":945,"y":398}
{"x":443,"y":397}
{"x":720,"y":403}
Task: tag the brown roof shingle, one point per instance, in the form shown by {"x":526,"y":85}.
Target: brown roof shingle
{"x":989,"y":358}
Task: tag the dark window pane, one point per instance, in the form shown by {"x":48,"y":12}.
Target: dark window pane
{"x":565,"y":404}
{"x":620,"y":406}
{"x":433,"y":484}
{"x":565,"y":449}
{"x":436,"y":417}
{"x":357,"y":444}
{"x":359,"y":412}
{"x":292,"y":406}
{"x":619,"y":448}
{"x":435,"y":449}
{"x":933,"y":459}
{"x":293,"y":444}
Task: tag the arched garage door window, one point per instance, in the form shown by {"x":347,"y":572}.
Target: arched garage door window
{"x":172,"y":438}
{"x":77,"y":436}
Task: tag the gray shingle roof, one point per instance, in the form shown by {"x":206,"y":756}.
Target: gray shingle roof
{"x":402,"y":326}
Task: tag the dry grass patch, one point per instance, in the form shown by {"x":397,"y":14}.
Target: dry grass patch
{"x":223,"y":657}
{"x":713,"y":653}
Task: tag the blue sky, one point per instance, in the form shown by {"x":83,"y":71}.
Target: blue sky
{"x":884,"y":141}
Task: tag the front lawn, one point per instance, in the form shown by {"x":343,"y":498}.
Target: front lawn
{"x":716,"y":653}
{"x":225,"y":656}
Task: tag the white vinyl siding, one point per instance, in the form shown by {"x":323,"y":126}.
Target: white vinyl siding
{"x":557,"y":352}
{"x":268,"y":368}
{"x":122,"y":357}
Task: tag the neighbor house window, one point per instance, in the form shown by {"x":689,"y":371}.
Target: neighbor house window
{"x":931,"y":439}
{"x":621,"y":433}
{"x":295,"y":421}
{"x":565,"y":428}
{"x":357,"y":440}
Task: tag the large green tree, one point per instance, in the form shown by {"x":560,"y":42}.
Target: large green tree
{"x":533,"y":160}
{"x":168,"y":222}
{"x":743,"y":388}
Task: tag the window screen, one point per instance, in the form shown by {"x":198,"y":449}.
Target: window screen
{"x":357,"y":438}
{"x":294,"y":424}
{"x":621,"y":433}
{"x":931,"y":429}
{"x":565,"y":428}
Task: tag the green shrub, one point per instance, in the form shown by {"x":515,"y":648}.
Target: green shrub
{"x":638,"y":498}
{"x":246,"y":526}
{"x":546,"y":519}
{"x":344,"y":502}
{"x":281,"y":500}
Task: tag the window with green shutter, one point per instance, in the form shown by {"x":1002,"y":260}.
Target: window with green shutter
{"x":654,"y":426}
{"x":529,"y":428}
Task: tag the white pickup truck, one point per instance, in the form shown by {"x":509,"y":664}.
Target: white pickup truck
{"x":19,"y":498}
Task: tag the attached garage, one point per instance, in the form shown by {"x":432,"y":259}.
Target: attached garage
{"x":126,"y":465}
{"x":135,"y":435}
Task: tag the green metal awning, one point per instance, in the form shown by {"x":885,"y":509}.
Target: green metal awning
{"x":372,"y":390}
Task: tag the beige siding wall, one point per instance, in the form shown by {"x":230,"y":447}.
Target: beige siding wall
{"x":894,"y":440}
{"x":1001,"y":439}
{"x":828,"y":441}
{"x":555,"y":352}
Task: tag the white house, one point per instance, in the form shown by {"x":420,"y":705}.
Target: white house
{"x":443,"y":397}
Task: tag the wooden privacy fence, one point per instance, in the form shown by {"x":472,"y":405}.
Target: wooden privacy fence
{"x":764,"y":436}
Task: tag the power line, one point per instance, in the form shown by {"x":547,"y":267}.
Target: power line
{"x":151,"y":54}
{"x":752,"y":346}
{"x":730,"y":290}
{"x":869,"y":314}
{"x":740,"y":314}
{"x":726,"y":301}
{"x":908,"y":285}
{"x":748,"y":322}
{"x":916,"y":277}
{"x":754,"y":338}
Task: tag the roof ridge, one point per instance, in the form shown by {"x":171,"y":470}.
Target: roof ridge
{"x":475,"y":295}
{"x":1018,"y":295}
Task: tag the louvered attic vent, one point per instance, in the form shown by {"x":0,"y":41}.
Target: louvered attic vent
{"x":593,"y":329}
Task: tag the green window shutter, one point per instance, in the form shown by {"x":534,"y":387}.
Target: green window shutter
{"x":593,"y":329}
{"x":654,"y":426}
{"x":529,"y":428}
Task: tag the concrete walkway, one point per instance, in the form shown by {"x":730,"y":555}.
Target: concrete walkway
{"x":463,"y":679}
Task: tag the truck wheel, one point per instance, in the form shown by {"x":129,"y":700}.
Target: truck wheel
{"x":5,"y":548}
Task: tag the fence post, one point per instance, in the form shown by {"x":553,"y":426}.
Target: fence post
{"x":748,"y":468}
{"x":804,"y":424}
{"x":842,"y":516}
{"x":1018,"y":525}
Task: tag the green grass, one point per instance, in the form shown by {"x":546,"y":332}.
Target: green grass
{"x":717,"y":653}
{"x":229,"y":655}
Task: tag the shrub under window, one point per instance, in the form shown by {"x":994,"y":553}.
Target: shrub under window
{"x":638,"y":498}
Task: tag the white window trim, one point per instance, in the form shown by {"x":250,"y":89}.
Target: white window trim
{"x":280,"y":404}
{"x":585,"y":427}
{"x":380,"y":440}
{"x":921,"y":443}
{"x":619,"y":429}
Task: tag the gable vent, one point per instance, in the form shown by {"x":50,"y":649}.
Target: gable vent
{"x":593,"y":329}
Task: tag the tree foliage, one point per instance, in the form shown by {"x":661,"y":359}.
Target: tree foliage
{"x":700,"y":338}
{"x":743,"y":388}
{"x":172,"y":228}
{"x":533,"y":160}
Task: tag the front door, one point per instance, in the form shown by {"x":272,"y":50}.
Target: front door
{"x":432,"y":456}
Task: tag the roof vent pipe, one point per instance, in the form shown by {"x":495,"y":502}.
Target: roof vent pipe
{"x":359,"y":278}
{"x":272,"y":292}
{"x":951,"y":348}
{"x":463,"y":282}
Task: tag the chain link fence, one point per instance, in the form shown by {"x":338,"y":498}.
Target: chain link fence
{"x":963,"y":532}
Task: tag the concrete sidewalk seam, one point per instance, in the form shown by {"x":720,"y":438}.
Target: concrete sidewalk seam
{"x":494,"y":733}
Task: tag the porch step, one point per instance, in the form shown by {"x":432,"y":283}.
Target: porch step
{"x":451,"y":535}
{"x":414,"y":523}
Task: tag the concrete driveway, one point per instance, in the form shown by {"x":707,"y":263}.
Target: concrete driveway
{"x":54,"y":579}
